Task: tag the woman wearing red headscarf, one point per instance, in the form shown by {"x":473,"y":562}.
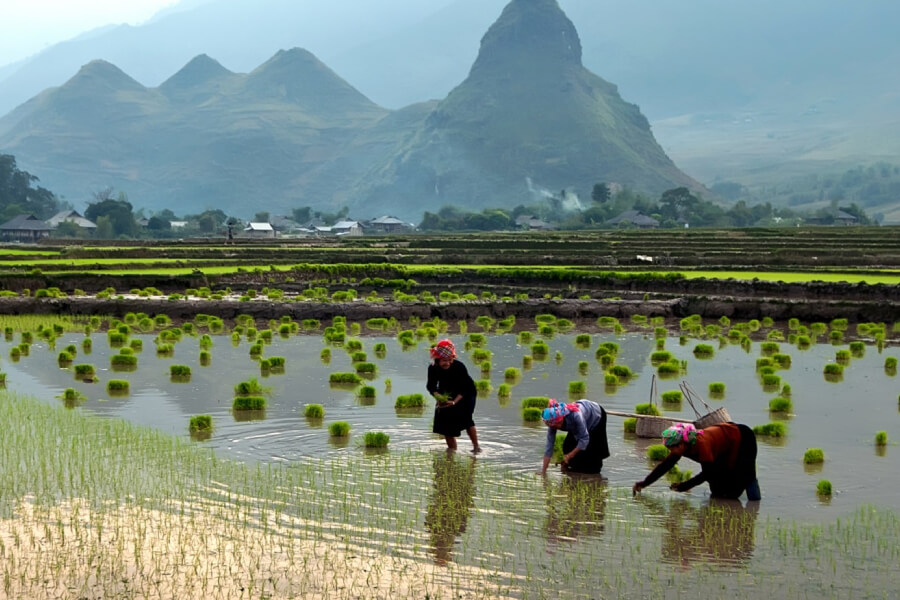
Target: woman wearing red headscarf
{"x":453,"y":389}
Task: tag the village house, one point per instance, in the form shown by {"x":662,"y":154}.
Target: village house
{"x":24,"y":228}
{"x":71,"y":216}
{"x":259,"y":230}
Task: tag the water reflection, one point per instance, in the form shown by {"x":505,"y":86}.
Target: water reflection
{"x":721,"y":532}
{"x":576,"y":507}
{"x":450,"y":503}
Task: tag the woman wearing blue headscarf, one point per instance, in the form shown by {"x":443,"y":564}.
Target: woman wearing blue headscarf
{"x":585,"y":446}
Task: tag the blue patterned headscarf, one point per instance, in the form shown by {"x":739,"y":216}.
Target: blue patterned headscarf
{"x":555,"y":413}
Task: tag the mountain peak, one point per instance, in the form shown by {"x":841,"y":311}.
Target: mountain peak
{"x":529,"y":32}
{"x":297,"y":76}
{"x":199,"y":71}
{"x":99,"y":75}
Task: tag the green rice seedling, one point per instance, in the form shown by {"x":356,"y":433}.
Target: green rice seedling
{"x":339,"y":429}
{"x":544,"y":319}
{"x":358,"y":356}
{"x":409,"y":401}
{"x":118,"y":387}
{"x":179,"y":373}
{"x":250,"y":387}
{"x":773,"y":429}
{"x":512,"y":374}
{"x":165,"y":349}
{"x":135,"y":345}
{"x":531,"y":414}
{"x":639,"y":319}
{"x":607,"y":322}
{"x":387,"y":385}
{"x":780,"y":404}
{"x":540,"y":402}
{"x":623,"y":372}
{"x":610,"y":380}
{"x":547,"y":331}
{"x":803,"y":342}
{"x":248,"y":403}
{"x":477,"y":339}
{"x":366,"y":394}
{"x":583,"y":367}
{"x":775,"y":335}
{"x":380,"y":349}
{"x":540,"y":350}
{"x":671,"y":397}
{"x":858,"y":349}
{"x":311,"y":324}
{"x":200,"y":423}
{"x":314,"y":411}
{"x":839,"y":324}
{"x":669,"y":370}
{"x":630,"y":425}
{"x":657,"y":452}
{"x":890,"y":365}
{"x":660,"y":344}
{"x":366,"y":368}
{"x":84,"y":371}
{"x":87,"y":345}
{"x":676,"y":475}
{"x":583,"y":340}
{"x":527,"y":361}
{"x":771,"y":381}
{"x":659,"y":357}
{"x":646,"y":408}
{"x":27,"y":337}
{"x":64,"y":359}
{"x":266,"y":336}
{"x":504,"y":391}
{"x":376,"y":439}
{"x":485,"y":367}
{"x":782,"y":360}
{"x":769,"y":348}
{"x":834,"y":369}
{"x":24,"y":349}
{"x":481,"y":354}
{"x":836,"y":337}
{"x":712,"y":331}
{"x":842,"y":356}
{"x":205,"y":358}
{"x":824,"y":488}
{"x":483,"y":386}
{"x":15,"y":353}
{"x":716,"y":388}
{"x":724,"y":321}
{"x":813,"y":456}
{"x":577,"y":389}
{"x":763,"y":362}
{"x":524,"y":338}
{"x":123,"y":362}
{"x":485,"y":322}
{"x":344,"y":379}
{"x":558,"y":357}
{"x":881,"y":438}
{"x":703,"y":351}
{"x":205,"y":341}
{"x":256,"y":350}
{"x":325,"y":355}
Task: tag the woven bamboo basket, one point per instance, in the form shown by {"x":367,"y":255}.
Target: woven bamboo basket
{"x":711,"y":417}
{"x":648,"y":426}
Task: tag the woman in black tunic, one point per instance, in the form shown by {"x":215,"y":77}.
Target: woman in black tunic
{"x":454,"y":391}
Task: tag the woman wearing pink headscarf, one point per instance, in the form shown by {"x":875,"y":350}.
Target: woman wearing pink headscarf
{"x":454,"y":390}
{"x":726,"y":453}
{"x":585,"y":446}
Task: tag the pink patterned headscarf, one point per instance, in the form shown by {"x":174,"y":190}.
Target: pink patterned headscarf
{"x":443,"y":349}
{"x":681,"y":432}
{"x":555,"y":413}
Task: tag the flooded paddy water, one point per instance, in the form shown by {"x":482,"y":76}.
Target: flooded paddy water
{"x":488,"y":526}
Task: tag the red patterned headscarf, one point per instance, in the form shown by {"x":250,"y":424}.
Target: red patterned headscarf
{"x":443,"y":349}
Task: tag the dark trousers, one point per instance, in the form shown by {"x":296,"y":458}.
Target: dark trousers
{"x":589,"y":460}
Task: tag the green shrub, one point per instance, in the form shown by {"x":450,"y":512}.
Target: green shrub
{"x":244,"y":403}
{"x":376,"y":439}
{"x":314,"y":411}
{"x":200,"y":423}
{"x":814,"y":456}
{"x":339,"y":429}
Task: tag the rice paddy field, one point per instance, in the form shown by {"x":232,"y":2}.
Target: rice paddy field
{"x":107,"y":492}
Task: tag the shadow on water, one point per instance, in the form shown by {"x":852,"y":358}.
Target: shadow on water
{"x":450,"y":504}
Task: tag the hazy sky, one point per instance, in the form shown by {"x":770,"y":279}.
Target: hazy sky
{"x":28,"y":26}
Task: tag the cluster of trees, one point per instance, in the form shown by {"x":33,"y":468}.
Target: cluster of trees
{"x":20,"y":194}
{"x":676,"y":207}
